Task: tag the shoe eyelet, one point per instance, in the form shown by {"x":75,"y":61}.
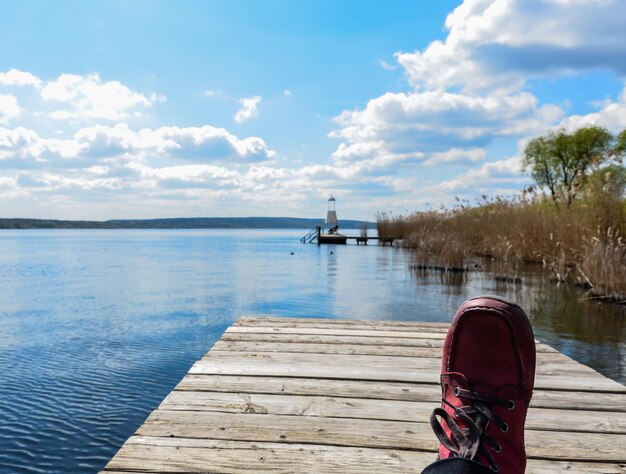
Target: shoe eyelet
{"x":511,"y":405}
{"x":494,"y":468}
{"x":456,"y":391}
{"x":504,"y":428}
{"x":497,"y":448}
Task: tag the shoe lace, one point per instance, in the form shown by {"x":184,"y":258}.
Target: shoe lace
{"x":468,"y":442}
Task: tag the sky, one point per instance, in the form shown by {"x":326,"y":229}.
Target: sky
{"x":233,"y":108}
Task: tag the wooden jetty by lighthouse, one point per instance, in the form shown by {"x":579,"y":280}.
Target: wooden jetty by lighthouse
{"x":338,"y":396}
{"x":332,"y":236}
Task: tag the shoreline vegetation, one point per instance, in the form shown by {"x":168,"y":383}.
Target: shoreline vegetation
{"x":576,"y":230}
{"x":178,"y":223}
{"x":585,"y":247}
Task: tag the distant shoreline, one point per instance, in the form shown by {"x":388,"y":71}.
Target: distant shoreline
{"x":178,"y":223}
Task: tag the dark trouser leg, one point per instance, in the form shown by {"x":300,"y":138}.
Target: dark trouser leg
{"x":456,"y":466}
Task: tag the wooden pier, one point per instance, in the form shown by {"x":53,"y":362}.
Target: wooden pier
{"x":317,"y":236}
{"x":318,"y":395}
{"x":342,"y":239}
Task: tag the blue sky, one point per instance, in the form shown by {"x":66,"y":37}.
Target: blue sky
{"x":141,"y":109}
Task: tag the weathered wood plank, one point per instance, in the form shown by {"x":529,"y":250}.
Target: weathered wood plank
{"x":190,"y":455}
{"x":342,"y":324}
{"x":337,"y":332}
{"x":363,"y":433}
{"x":373,"y":348}
{"x":547,"y":364}
{"x":387,"y":391}
{"x":428,"y":392}
{"x":312,"y":370}
{"x":273,"y":320}
{"x":287,"y":429}
{"x":324,"y":359}
{"x":297,"y":405}
{"x":333,"y":340}
{"x":304,"y":386}
{"x":393,"y":410}
{"x":354,"y":349}
{"x":181,"y":455}
{"x":556,"y":375}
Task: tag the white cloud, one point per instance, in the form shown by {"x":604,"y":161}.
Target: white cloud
{"x":370,"y":156}
{"x":50,"y":182}
{"x":612,"y":115}
{"x":14,"y":77}
{"x":7,"y":183}
{"x":15,"y":143}
{"x":22,"y":147}
{"x":456,"y":155}
{"x":89,"y":97}
{"x":286,"y":92}
{"x":386,"y":66}
{"x":9,"y":108}
{"x":105,"y":141}
{"x":213,"y":93}
{"x":502,"y":174}
{"x":192,"y":174}
{"x":436,"y":126}
{"x":498,"y":44}
{"x":463,"y":116}
{"x":249,"y":109}
{"x":211,"y":142}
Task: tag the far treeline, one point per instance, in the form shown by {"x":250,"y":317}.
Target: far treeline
{"x":178,"y":223}
{"x":572,"y":221}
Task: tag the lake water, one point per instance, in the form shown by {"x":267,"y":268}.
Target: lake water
{"x":97,"y":327}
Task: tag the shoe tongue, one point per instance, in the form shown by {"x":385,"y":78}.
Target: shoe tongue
{"x":485,"y":352}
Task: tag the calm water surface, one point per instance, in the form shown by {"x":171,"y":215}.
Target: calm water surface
{"x":98,"y":326}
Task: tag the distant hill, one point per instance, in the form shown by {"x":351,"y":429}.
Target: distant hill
{"x":179,"y":223}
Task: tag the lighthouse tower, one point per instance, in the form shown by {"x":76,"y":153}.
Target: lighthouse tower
{"x":331,"y":215}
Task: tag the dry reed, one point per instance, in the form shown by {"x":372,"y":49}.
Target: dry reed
{"x":584,"y":246}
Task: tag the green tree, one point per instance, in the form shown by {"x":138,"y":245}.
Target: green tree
{"x":620,"y":148}
{"x":604,"y":193}
{"x":561,"y":161}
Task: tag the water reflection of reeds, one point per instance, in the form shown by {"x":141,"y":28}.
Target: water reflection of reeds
{"x":451,"y":277}
{"x":562,"y":316}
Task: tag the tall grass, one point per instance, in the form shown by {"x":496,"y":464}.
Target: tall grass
{"x":603,"y":264}
{"x":585,"y":245}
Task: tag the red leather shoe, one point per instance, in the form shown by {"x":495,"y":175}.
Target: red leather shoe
{"x":487,"y":379}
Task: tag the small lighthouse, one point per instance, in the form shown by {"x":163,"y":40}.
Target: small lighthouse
{"x":331,"y":215}
{"x":331,"y":236}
